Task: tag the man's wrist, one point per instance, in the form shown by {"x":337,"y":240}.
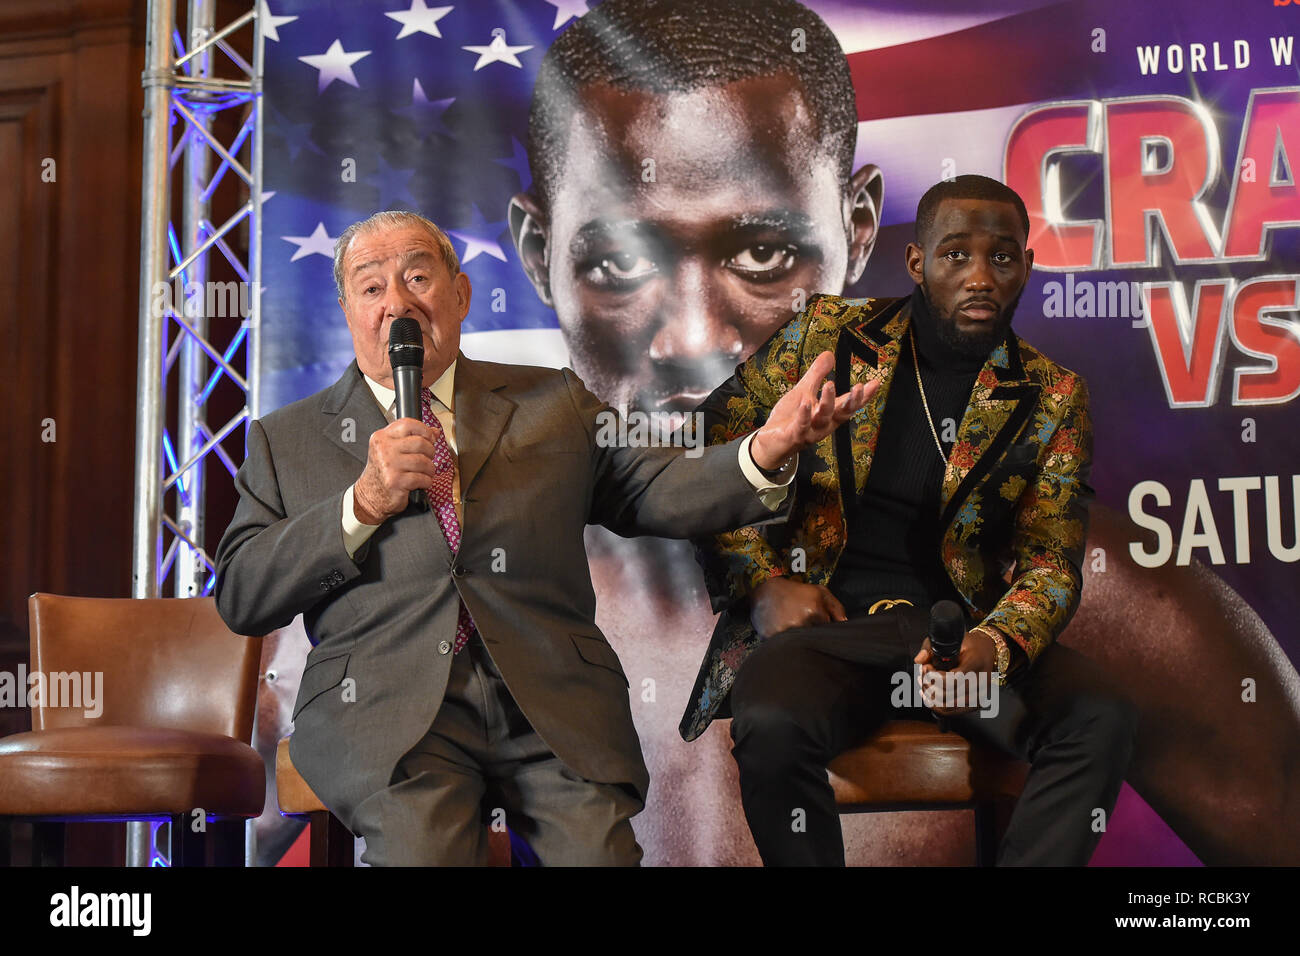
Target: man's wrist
{"x":772,"y":488}
{"x":1001,"y":650}
{"x":762,"y":462}
{"x":766,"y":463}
{"x":355,"y":532}
{"x":362,"y":513}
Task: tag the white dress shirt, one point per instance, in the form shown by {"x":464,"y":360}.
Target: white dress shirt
{"x":356,"y":532}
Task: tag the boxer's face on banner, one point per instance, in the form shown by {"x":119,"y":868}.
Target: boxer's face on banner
{"x":395,"y":273}
{"x":972,"y":266}
{"x":681,"y":227}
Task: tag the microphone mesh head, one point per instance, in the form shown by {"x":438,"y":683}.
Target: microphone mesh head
{"x":946,"y":617}
{"x":405,"y":344}
{"x":947,"y":630}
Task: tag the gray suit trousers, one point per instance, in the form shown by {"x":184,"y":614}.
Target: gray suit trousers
{"x":482,"y":765}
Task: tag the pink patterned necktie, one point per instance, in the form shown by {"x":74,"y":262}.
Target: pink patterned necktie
{"x":441,"y":500}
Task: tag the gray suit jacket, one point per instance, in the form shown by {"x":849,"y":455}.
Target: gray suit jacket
{"x":532,"y":477}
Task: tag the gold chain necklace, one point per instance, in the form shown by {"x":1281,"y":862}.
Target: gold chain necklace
{"x":916,"y":364}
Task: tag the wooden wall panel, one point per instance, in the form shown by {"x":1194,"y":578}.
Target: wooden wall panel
{"x":69,"y":253}
{"x":69,"y":262}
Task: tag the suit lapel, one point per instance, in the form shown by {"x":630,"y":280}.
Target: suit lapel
{"x":865,"y":351}
{"x":481,"y":415}
{"x":352,"y":413}
{"x":1001,"y":402}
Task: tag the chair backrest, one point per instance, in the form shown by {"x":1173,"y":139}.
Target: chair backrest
{"x":156,"y":662}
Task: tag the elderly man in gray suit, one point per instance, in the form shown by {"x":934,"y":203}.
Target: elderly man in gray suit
{"x":456,"y":666}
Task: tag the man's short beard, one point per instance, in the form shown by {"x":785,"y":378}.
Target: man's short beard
{"x":971,"y":344}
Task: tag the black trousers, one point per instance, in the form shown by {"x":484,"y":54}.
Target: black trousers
{"x":806,"y":695}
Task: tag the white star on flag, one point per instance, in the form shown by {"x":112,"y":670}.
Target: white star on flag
{"x":476,"y":244}
{"x":318,"y":243}
{"x":419,"y":19}
{"x":566,"y":10}
{"x":270,"y":21}
{"x":335,"y":64}
{"x":497,"y":51}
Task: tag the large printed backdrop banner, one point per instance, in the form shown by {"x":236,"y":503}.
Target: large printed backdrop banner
{"x":1156,"y":148}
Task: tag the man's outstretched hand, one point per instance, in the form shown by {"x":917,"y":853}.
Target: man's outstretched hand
{"x":806,"y":414}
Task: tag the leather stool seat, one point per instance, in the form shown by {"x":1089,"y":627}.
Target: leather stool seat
{"x":912,"y":763}
{"x":292,"y":792}
{"x":170,"y":733}
{"x":124,"y":772}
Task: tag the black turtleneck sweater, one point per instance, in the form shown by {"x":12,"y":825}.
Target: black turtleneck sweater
{"x":894,"y":534}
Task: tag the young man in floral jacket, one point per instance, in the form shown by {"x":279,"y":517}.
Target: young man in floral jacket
{"x":964,"y":478}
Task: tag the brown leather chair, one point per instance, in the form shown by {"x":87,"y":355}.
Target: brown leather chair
{"x":332,"y":843}
{"x":178,"y":696}
{"x":913,"y":765}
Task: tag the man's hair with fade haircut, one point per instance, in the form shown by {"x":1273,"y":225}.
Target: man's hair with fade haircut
{"x":969,"y":186}
{"x":677,"y":46}
{"x":390,"y":219}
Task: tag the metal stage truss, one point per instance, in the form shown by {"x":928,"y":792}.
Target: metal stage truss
{"x":194,"y":77}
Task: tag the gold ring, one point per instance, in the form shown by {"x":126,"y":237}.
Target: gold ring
{"x":887,"y":603}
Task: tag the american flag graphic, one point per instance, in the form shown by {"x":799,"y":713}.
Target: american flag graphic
{"x":403,"y":104}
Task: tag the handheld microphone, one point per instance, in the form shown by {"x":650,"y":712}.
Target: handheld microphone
{"x":406,"y":357}
{"x":947,"y":631}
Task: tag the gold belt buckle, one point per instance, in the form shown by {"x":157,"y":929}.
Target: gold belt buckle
{"x":887,"y":603}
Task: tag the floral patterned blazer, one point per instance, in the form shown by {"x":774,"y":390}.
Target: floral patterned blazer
{"x":1014,"y":499}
